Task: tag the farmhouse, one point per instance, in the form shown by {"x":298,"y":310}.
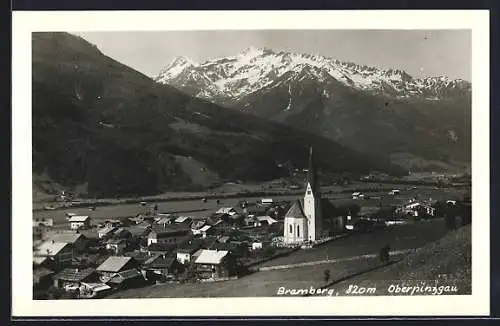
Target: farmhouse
{"x":60,"y":254}
{"x":167,"y":235}
{"x":214,"y":264}
{"x":79,"y":222}
{"x":160,"y":267}
{"x":226,"y":211}
{"x":117,"y":246}
{"x":186,"y":220}
{"x":71,"y":278}
{"x":77,"y":241}
{"x":115,"y":264}
{"x":127,"y":278}
{"x":186,"y":251}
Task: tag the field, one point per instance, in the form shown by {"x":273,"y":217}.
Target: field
{"x":266,"y":283}
{"x":196,"y":208}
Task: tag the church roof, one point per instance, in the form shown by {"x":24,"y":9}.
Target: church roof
{"x":296,"y":210}
{"x":312,"y":177}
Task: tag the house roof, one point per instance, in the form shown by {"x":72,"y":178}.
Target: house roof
{"x":168,"y":232}
{"x":74,"y":275}
{"x":296,"y":210}
{"x":125,"y":275}
{"x":190,"y":246}
{"x":182,"y":219}
{"x":269,"y":219}
{"x":225,"y":210}
{"x":159,"y":261}
{"x":197,"y":224}
{"x":96,"y":287}
{"x":66,"y":237}
{"x":205,"y":228}
{"x":50,"y":248}
{"x":77,"y":218}
{"x":211,"y":256}
{"x":114,"y":264}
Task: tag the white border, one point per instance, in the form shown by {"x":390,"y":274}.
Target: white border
{"x":23,"y":23}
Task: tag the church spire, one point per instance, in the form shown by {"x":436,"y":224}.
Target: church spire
{"x":312,"y":177}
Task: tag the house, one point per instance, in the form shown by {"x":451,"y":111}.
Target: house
{"x":186,"y":220}
{"x":168,"y":235}
{"x":165,"y":220}
{"x":266,"y":201}
{"x":117,"y":246}
{"x":79,"y":222}
{"x":226,"y":211}
{"x":357,"y":195}
{"x":126,"y":279}
{"x":43,"y":222}
{"x":266,"y":220}
{"x":160,"y":267}
{"x":106,"y":232}
{"x":94,"y":290}
{"x":206,"y":230}
{"x":415,"y":209}
{"x":186,"y":251}
{"x":139,"y":230}
{"x":196,"y":227}
{"x":77,"y":241}
{"x":394,"y":192}
{"x":71,"y":278}
{"x":212,"y":264}
{"x":60,"y":254}
{"x":115,"y":264}
{"x":113,"y":222}
{"x":258,"y":245}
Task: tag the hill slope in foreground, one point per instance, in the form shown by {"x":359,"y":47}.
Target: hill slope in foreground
{"x":446,"y":262}
{"x":103,"y":129}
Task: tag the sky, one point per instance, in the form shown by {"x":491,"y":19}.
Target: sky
{"x":421,"y":53}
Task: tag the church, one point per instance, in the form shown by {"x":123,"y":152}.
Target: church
{"x":313,"y":218}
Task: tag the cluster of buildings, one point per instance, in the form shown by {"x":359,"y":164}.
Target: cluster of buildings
{"x":91,"y":258}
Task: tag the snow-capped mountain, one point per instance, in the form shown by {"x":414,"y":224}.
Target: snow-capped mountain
{"x":254,"y":69}
{"x":387,"y":113}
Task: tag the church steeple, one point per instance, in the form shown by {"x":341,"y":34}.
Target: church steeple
{"x":312,"y":177}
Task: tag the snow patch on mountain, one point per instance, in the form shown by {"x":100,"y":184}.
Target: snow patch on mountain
{"x":254,"y":69}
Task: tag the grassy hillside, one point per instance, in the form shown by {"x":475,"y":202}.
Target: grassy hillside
{"x":104,"y":128}
{"x":445,"y":262}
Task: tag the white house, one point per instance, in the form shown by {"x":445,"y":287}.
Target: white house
{"x":205,"y":230}
{"x":227,"y":210}
{"x":357,"y":195}
{"x":266,"y":201}
{"x":79,"y":222}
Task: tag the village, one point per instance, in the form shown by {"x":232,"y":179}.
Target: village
{"x":92,"y":258}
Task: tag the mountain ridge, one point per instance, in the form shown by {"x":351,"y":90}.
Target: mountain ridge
{"x":107,"y":130}
{"x":416,"y":123}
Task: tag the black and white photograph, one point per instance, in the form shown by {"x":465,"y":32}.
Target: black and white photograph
{"x":278,"y":163}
